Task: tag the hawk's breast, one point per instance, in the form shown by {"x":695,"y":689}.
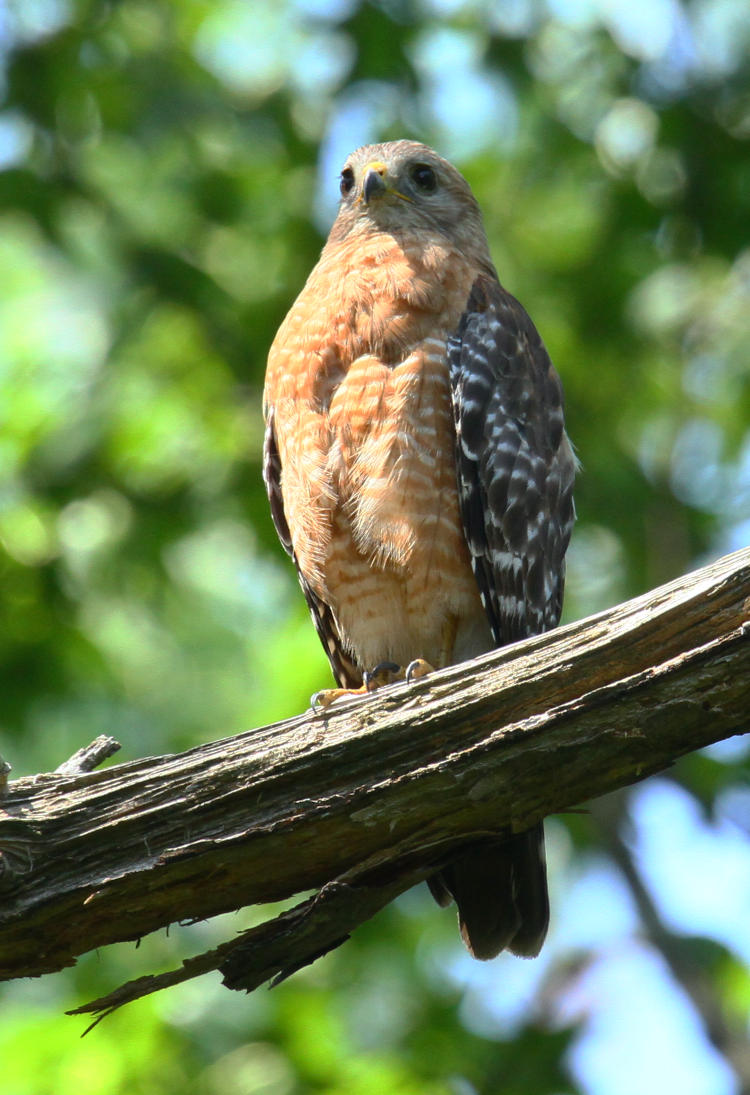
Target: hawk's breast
{"x":362,"y":404}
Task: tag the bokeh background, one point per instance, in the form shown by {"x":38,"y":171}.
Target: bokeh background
{"x":168,"y":171}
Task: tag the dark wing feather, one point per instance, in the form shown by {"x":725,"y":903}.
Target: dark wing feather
{"x":515,"y":467}
{"x":344,"y":669}
{"x":515,"y":473}
{"x":272,"y":479}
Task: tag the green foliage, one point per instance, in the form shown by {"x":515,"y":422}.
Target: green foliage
{"x":167,"y":172}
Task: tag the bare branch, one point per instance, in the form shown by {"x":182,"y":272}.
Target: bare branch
{"x":90,"y":757}
{"x":363,"y":801}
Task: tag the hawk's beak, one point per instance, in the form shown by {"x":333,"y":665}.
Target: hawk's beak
{"x":373,"y":181}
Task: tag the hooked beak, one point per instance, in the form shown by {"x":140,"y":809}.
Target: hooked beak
{"x":373,"y":181}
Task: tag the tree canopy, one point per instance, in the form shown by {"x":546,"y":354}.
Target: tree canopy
{"x":167,"y":177}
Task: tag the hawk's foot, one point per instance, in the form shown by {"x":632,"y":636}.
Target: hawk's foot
{"x":383,"y":673}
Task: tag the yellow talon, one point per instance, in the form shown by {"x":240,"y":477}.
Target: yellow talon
{"x":319,"y":701}
{"x":383,"y":673}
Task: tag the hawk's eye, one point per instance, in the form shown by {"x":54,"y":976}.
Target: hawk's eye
{"x":424,"y":177}
{"x":347,"y":180}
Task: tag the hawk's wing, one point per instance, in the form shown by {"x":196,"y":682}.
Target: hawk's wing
{"x":514,"y":463}
{"x":515,"y":470}
{"x":344,"y":670}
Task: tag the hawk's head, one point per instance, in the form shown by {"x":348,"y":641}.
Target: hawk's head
{"x":402,"y":187}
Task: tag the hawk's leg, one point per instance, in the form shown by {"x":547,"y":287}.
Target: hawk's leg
{"x":383,"y":673}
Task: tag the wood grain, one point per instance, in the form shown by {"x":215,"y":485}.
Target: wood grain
{"x":377,"y":792}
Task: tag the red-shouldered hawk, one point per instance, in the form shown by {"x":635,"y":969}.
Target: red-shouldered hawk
{"x":418,"y":468}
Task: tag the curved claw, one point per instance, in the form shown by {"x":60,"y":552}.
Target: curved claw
{"x":383,"y":673}
{"x":417,"y":669}
{"x":323,"y":699}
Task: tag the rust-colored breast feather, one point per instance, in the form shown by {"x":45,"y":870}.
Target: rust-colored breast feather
{"x":358,"y":394}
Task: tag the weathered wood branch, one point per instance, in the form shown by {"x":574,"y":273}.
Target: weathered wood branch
{"x":365,"y":800}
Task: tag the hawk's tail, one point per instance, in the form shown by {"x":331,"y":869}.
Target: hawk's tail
{"x":501,"y":893}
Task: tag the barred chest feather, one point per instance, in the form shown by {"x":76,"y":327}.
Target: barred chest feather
{"x":365,"y":432}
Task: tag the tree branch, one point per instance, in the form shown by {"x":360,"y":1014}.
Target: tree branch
{"x":366,"y":799}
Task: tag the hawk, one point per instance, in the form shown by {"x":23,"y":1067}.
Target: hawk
{"x":418,"y":469}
